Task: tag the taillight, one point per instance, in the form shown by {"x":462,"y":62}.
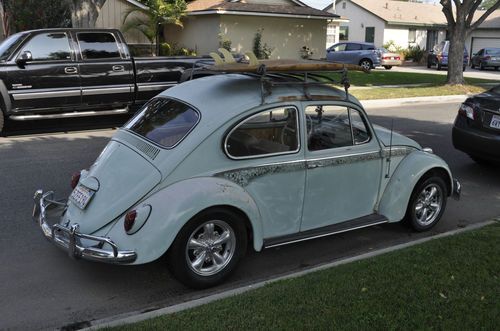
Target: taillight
{"x":467,"y":111}
{"x":75,"y":178}
{"x":129,"y":220}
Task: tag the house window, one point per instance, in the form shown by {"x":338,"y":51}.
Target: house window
{"x":344,"y":33}
{"x":412,"y":35}
{"x":370,"y":34}
{"x":344,"y":5}
{"x":330,"y":34}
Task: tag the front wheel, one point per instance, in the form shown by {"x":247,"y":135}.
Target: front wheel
{"x":365,"y":64}
{"x":439,"y":66}
{"x":427,"y":204}
{"x":1,"y":120}
{"x":208,"y":248}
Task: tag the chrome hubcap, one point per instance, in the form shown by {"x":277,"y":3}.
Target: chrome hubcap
{"x":210,"y":247}
{"x":429,"y":204}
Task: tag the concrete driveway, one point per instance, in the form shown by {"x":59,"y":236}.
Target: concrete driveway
{"x":470,"y":73}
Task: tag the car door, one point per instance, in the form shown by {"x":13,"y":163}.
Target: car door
{"x":336,"y":52}
{"x":106,"y":71}
{"x":267,"y":160}
{"x":343,"y":165}
{"x":352,"y":53}
{"x":49,"y":79}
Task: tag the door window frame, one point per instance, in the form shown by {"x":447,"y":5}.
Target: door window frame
{"x":69,"y":38}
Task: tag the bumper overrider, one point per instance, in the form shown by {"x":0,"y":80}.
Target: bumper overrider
{"x":457,"y":189}
{"x":69,"y":239}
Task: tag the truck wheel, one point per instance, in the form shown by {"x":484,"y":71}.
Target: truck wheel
{"x":207,"y":248}
{"x":427,"y":204}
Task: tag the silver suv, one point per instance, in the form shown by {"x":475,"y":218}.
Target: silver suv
{"x":363,"y":54}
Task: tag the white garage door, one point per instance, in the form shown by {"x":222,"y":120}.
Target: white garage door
{"x":478,"y":43}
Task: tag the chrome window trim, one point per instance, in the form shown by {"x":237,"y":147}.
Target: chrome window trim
{"x":363,"y":119}
{"x":268,"y":154}
{"x":140,"y":112}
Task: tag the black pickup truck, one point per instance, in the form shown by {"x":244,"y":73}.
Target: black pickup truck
{"x":57,"y":73}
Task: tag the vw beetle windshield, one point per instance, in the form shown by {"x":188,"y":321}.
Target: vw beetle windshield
{"x":164,"y":121}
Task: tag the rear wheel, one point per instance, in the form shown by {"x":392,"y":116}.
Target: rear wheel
{"x":481,"y":66}
{"x":366,"y":64}
{"x":388,"y":67}
{"x":429,"y":65}
{"x":208,"y":248}
{"x":427,"y":203}
{"x":439,"y":66}
{"x":472,"y":66}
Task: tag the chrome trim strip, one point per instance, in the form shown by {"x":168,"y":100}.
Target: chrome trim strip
{"x":106,"y":90}
{"x":46,"y":95}
{"x":154,"y":87}
{"x":68,"y":115}
{"x":326,"y":234}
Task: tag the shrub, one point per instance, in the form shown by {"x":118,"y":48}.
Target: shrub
{"x":391,"y":46}
{"x":261,"y":51}
{"x":415,"y":53}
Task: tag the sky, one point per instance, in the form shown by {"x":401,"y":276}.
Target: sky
{"x":320,"y":4}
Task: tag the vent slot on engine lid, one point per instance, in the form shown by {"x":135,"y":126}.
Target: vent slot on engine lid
{"x":147,"y":149}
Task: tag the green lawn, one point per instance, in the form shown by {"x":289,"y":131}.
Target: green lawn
{"x":376,"y":78}
{"x":451,"y":283}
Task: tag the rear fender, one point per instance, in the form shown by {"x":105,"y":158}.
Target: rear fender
{"x":410,"y":170}
{"x":175,"y":205}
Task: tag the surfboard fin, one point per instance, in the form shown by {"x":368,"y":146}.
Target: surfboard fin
{"x":217,"y":59}
{"x":228,"y":57}
{"x":252,"y":59}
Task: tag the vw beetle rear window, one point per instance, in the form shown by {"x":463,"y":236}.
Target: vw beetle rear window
{"x":164,"y":121}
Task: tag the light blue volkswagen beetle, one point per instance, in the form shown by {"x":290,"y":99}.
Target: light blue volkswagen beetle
{"x":220,"y":163}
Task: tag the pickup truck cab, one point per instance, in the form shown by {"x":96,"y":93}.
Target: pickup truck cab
{"x":52,"y":73}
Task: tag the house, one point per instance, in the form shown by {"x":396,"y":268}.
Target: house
{"x":286,"y":25}
{"x":112,"y":14}
{"x":486,"y":35}
{"x":380,"y":21}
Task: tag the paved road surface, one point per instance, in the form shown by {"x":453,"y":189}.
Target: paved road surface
{"x":41,"y":288}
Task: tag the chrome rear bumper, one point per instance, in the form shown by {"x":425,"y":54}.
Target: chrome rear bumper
{"x":69,"y":238}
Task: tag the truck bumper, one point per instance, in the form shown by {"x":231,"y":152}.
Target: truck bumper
{"x":69,"y":238}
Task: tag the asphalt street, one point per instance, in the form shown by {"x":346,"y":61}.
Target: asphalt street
{"x":41,"y":288}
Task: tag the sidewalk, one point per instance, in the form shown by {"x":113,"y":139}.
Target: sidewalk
{"x":415,"y":100}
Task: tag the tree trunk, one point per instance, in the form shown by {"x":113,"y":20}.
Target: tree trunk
{"x":456,"y":53}
{"x":84,"y":13}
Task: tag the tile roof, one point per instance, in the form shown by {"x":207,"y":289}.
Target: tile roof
{"x":200,"y":6}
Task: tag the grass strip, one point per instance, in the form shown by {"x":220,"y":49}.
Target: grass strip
{"x":446,"y":284}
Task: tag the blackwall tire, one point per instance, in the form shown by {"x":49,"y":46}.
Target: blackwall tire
{"x":2,"y":121}
{"x":366,"y":64}
{"x":427,"y":203}
{"x":208,"y":248}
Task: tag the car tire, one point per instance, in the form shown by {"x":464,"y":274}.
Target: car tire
{"x":366,"y":64}
{"x":481,"y":66}
{"x":496,"y":68}
{"x":427,"y":203}
{"x":439,"y":66}
{"x":472,"y":66}
{"x":220,"y":240}
{"x":429,"y":65}
{"x":480,"y":160}
{"x":2,"y":120}
{"x":464,"y":67}
{"x":388,"y":67}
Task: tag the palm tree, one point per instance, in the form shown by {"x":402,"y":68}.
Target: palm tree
{"x":151,"y":18}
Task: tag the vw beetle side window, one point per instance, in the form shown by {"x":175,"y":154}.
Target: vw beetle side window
{"x":164,"y":121}
{"x":270,"y":132}
{"x":334,"y":126}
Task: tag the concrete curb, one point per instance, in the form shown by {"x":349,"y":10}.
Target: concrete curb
{"x":139,"y":316}
{"x":416,"y":100}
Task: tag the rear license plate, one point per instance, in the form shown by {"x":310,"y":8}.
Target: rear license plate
{"x":495,"y":122}
{"x":81,"y":196}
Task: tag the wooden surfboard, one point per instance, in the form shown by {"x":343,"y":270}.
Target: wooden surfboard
{"x":284,"y":66}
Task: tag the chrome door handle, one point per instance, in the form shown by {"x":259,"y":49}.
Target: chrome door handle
{"x":71,"y":70}
{"x":118,"y":68}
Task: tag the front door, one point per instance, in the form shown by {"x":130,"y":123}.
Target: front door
{"x":106,"y":72}
{"x":50,"y":80}
{"x":343,"y":166}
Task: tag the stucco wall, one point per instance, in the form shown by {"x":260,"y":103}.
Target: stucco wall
{"x":359,"y":20}
{"x":286,"y":35}
{"x":111,"y":16}
{"x":400,"y":36}
{"x":200,"y":33}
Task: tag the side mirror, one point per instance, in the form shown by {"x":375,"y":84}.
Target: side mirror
{"x":474,"y":54}
{"x":431,"y":51}
{"x":23,"y":58}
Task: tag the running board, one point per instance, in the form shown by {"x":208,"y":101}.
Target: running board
{"x":68,"y":115}
{"x":329,"y":230}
